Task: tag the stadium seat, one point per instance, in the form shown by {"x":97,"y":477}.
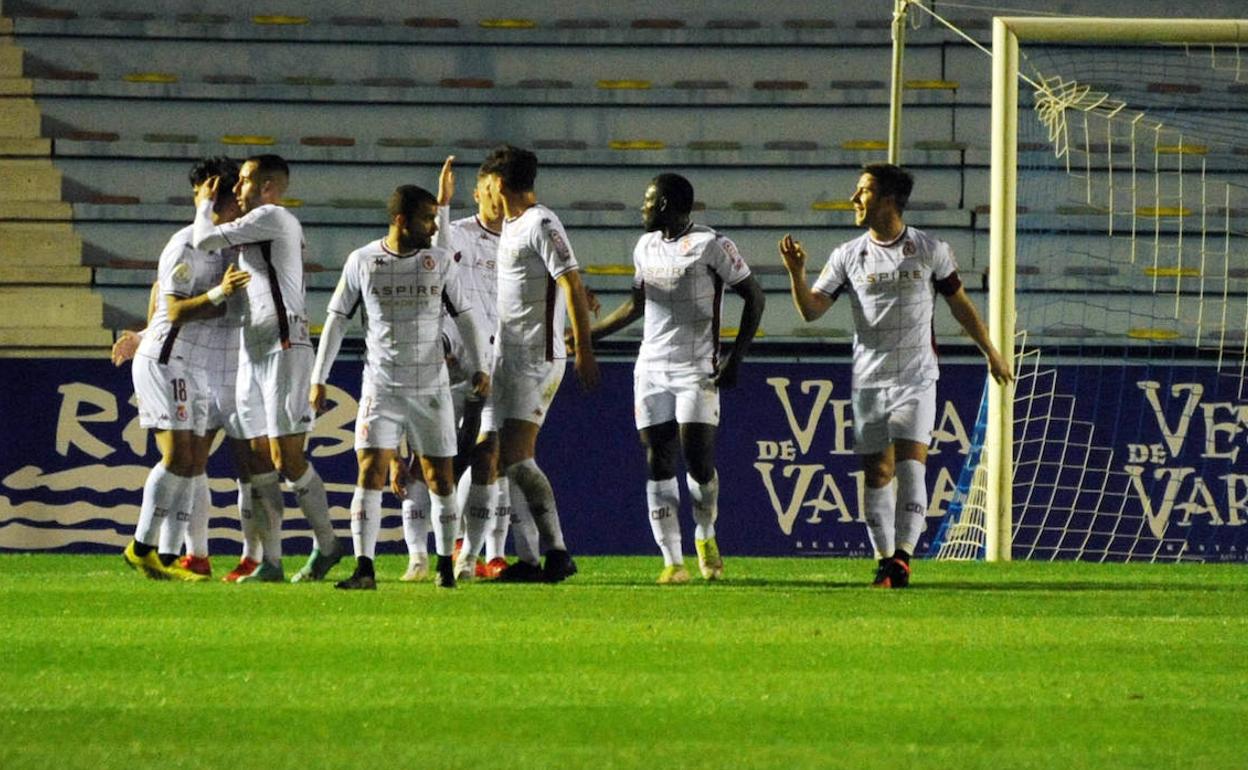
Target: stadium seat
{"x":356,"y":21}
{"x":466,"y":83}
{"x":421,"y":22}
{"x":559,"y":144}
{"x":864,"y":145}
{"x":597,"y":206}
{"x":279,"y":20}
{"x":810,"y":24}
{"x":781,"y":85}
{"x":135,"y":16}
{"x":734,"y":24}
{"x":327,"y":141}
{"x":255,"y":140}
{"x":202,"y":18}
{"x":507,"y":24}
{"x":404,"y":141}
{"x":701,"y":85}
{"x":791,"y":145}
{"x":582,"y":24}
{"x":714,"y":145}
{"x":544,"y":83}
{"x":636,"y":144}
{"x":388,"y":82}
{"x":624,"y":85}
{"x":150,"y":77}
{"x":1173,"y":88}
{"x":757,"y":206}
{"x":230,"y":80}
{"x":316,"y":81}
{"x":657,"y":24}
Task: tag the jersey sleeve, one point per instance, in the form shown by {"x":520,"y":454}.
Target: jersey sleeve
{"x":346,"y":297}
{"x":174,"y":271}
{"x":456,"y":289}
{"x":945,"y":270}
{"x":726,"y":261}
{"x":550,"y":241}
{"x":261,"y":224}
{"x":833,"y":275}
{"x":639,"y":278}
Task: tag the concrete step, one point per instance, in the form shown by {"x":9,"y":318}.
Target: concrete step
{"x":16,"y":86}
{"x":36,"y":210}
{"x":50,"y":307}
{"x":40,"y":243}
{"x":45,"y":275}
{"x":10,"y":61}
{"x":20,"y":117}
{"x":29,"y":180}
{"x":25,"y":148}
{"x":55,"y":337}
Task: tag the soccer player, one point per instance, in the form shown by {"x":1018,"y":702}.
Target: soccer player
{"x":173,"y":387}
{"x":538,"y":282}
{"x":891,"y":273}
{"x":406,"y":287}
{"x":275,"y":368}
{"x":679,"y":273}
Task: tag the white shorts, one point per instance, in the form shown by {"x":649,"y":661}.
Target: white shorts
{"x":428,"y":420}
{"x":883,"y":415}
{"x":685,"y":396}
{"x":171,"y":396}
{"x":524,"y":390}
{"x":221,"y":375}
{"x":459,"y":396}
{"x":272,"y":393}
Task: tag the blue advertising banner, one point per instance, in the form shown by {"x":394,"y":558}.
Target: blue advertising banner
{"x":75,"y":459}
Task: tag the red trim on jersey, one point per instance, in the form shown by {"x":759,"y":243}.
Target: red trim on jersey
{"x":279,"y":306}
{"x":949,"y":285}
{"x":483,"y":227}
{"x":166,"y":348}
{"x":550,"y":318}
{"x":718,"y":283}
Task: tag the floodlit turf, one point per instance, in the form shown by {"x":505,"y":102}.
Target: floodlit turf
{"x":788,"y":664}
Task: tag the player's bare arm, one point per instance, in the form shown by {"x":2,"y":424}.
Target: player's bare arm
{"x":966,"y":314}
{"x":446,"y":182}
{"x":751,"y":316}
{"x":810,"y":304}
{"x":586,"y":364}
{"x":210,"y":304}
{"x":632,"y":308}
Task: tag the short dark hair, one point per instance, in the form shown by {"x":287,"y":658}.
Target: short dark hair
{"x":677,"y":190}
{"x":893,"y":181}
{"x":407,"y":198}
{"x":515,"y":166}
{"x":269,"y":166}
{"x":215,"y":165}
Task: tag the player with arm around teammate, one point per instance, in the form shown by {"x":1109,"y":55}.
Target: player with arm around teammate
{"x":275,"y":367}
{"x":406,"y":286}
{"x":679,"y":273}
{"x":891,"y":274}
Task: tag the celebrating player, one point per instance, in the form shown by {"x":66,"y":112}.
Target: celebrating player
{"x":406,"y":287}
{"x":275,"y":370}
{"x":891,"y":273}
{"x":172,"y":382}
{"x":533,"y":257}
{"x":679,"y":272}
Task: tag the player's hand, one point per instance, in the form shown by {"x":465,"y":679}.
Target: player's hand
{"x":207,"y":191}
{"x":125,"y":347}
{"x":592,"y":302}
{"x":480,"y":384}
{"x":316,"y":397}
{"x":446,"y":182}
{"x":234,"y":279}
{"x":726,"y":377}
{"x":398,"y":477}
{"x":793,"y":255}
{"x":999,"y":369}
{"x":587,"y":368}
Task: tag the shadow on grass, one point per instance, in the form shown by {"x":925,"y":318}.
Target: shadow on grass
{"x":1036,"y":586}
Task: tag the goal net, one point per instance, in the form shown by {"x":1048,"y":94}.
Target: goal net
{"x":1119,"y":224}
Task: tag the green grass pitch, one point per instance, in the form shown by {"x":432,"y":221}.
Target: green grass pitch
{"x":788,"y":664}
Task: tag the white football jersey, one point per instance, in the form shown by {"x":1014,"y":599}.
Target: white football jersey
{"x":271,"y":245}
{"x":184,"y":271}
{"x":684,"y":280}
{"x":475,"y":250}
{"x":533,"y":251}
{"x":892,"y":288}
{"x":405,"y":297}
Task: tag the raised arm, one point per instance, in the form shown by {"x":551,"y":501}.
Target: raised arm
{"x":966,"y":314}
{"x":257,"y":225}
{"x":810,"y":304}
{"x":751,"y":316}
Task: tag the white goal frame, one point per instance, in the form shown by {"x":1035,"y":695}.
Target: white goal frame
{"x":1007,"y":32}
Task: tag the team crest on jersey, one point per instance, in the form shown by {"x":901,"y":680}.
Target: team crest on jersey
{"x":556,"y":240}
{"x":181,"y":412}
{"x":182,"y":273}
{"x":428,"y":262}
{"x":908,"y":248}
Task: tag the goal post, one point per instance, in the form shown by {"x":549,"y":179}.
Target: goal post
{"x":1008,"y":33}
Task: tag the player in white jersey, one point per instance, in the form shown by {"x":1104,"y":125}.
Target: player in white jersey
{"x":891,"y":274}
{"x":538,"y":282}
{"x":173,"y":392}
{"x":406,"y":287}
{"x":679,"y":273}
{"x":275,"y":369}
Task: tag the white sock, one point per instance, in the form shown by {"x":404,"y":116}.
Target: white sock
{"x":416,"y":520}
{"x":252,"y":547}
{"x":462,"y":487}
{"x":270,"y":509}
{"x":365,"y":521}
{"x":173,"y":529}
{"x":496,"y":539}
{"x":530,"y":479}
{"x":478,"y":515}
{"x":705,"y":499}
{"x":310,"y":491}
{"x":158,"y":493}
{"x":201,"y":511}
{"x":881,"y":511}
{"x":663,"y":500}
{"x":443,"y":510}
{"x":523,"y":530}
{"x":911,"y":504}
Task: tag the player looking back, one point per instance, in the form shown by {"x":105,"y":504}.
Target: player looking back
{"x":534,"y":258}
{"x":406,"y":287}
{"x":275,"y":369}
{"x":891,"y":273}
{"x":679,"y":273}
